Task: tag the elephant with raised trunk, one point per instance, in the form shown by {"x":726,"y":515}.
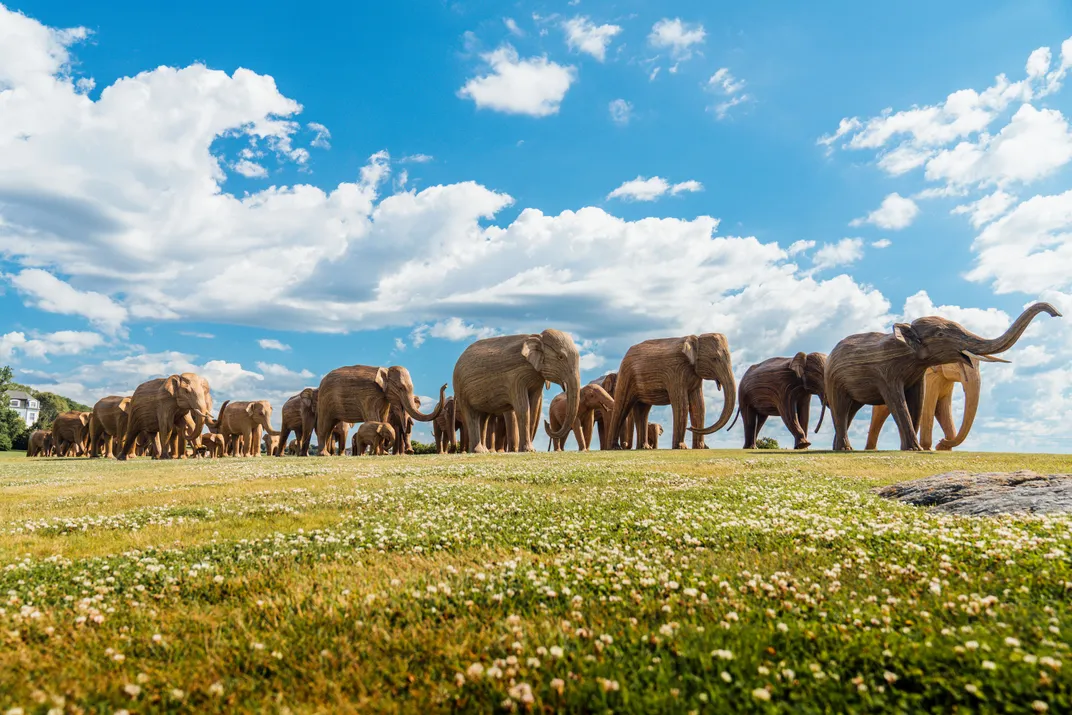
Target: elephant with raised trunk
{"x":242,"y":424}
{"x":157,"y":404}
{"x":363,"y":393}
{"x":495,"y":376}
{"x":938,"y":385}
{"x":888,"y":368}
{"x":593,"y":397}
{"x":299,"y":416}
{"x":671,"y":371}
{"x":107,"y":425}
{"x":782,"y":387}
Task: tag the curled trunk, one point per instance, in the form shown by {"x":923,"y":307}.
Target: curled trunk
{"x":573,"y":403}
{"x":981,"y":346}
{"x":729,"y":404}
{"x":972,"y":387}
{"x":416,"y":414}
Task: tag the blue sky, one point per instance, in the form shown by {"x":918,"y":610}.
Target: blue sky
{"x":382,"y":183}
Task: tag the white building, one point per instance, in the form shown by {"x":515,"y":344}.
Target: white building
{"x":25,"y":404}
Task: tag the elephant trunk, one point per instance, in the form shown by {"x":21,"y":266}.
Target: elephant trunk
{"x":972,"y":387}
{"x":416,"y":414}
{"x":572,"y":386}
{"x":729,"y":404}
{"x":981,"y":347}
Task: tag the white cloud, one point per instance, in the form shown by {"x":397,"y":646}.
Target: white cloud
{"x":454,"y":329}
{"x":63,"y":342}
{"x":676,"y":36}
{"x":400,"y":345}
{"x":512,"y":27}
{"x":276,"y":370}
{"x":895,"y":213}
{"x":583,"y":35}
{"x":203,"y":336}
{"x":250,"y":170}
{"x":46,"y":292}
{"x":416,"y":159}
{"x":843,"y":253}
{"x":983,"y":321}
{"x":322,"y":140}
{"x":272,"y":344}
{"x":592,"y":361}
{"x":641,"y":189}
{"x":621,"y":111}
{"x":725,"y":84}
{"x":535,"y":86}
{"x":799,"y":247}
{"x":986,"y":209}
{"x":881,"y":243}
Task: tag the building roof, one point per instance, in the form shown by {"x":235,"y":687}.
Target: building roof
{"x":19,"y":395}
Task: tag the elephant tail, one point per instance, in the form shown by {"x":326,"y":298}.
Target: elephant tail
{"x":738,"y":415}
{"x":821,"y":415}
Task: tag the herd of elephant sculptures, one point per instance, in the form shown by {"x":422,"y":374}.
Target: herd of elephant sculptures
{"x":498,"y":382}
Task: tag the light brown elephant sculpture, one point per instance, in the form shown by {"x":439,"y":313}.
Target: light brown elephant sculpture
{"x":243,"y":423}
{"x":107,"y":425}
{"x":593,"y":398}
{"x":655,"y":431}
{"x":299,"y":416}
{"x":497,"y":375}
{"x":213,"y":445}
{"x":888,"y":368}
{"x":938,"y":385}
{"x":39,"y":444}
{"x":155,"y":405}
{"x":70,"y":433}
{"x":377,"y":438}
{"x":671,"y":371}
{"x":360,"y":393}
{"x":271,"y":444}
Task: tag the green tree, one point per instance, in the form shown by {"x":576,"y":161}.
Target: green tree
{"x":767,"y":443}
{"x":12,"y":428}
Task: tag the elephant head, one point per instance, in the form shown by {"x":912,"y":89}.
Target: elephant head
{"x":191,"y":392}
{"x":260,"y":411}
{"x":608,"y":382}
{"x":968,"y":376}
{"x":936,"y":341}
{"x":709,"y":355}
{"x":398,"y":387}
{"x":309,"y":398}
{"x":593,"y":397}
{"x":554,"y":355}
{"x":811,"y":369}
{"x":387,"y":436}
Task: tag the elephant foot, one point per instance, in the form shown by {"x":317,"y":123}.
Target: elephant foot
{"x":681,"y":445}
{"x":480,"y":449}
{"x":944,"y":446}
{"x":802,"y":444}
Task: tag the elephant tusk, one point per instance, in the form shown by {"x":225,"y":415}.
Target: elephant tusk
{"x":982,"y":358}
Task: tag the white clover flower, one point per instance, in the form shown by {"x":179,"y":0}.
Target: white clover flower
{"x":1012,"y":642}
{"x":726,"y":676}
{"x":556,"y":651}
{"x":132,"y":690}
{"x":761,"y":694}
{"x":1039,"y":706}
{"x":475,"y":670}
{"x":558,"y":685}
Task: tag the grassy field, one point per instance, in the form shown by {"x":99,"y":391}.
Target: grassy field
{"x":629,"y":582}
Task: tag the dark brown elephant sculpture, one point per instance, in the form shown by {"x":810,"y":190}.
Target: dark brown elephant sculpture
{"x":445,"y":428}
{"x":602,"y":419}
{"x":70,"y":433}
{"x":496,"y":376}
{"x":107,"y":425}
{"x":299,"y":416}
{"x":360,"y":393}
{"x":593,"y":398}
{"x":156,"y":404}
{"x":888,"y":368}
{"x":782,"y":387}
{"x":39,"y":444}
{"x":671,"y":371}
{"x":938,"y":385}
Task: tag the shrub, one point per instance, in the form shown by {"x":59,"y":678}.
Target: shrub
{"x":422,"y":448}
{"x":767,"y":443}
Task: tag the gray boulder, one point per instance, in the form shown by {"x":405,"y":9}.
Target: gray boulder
{"x":987,"y":494}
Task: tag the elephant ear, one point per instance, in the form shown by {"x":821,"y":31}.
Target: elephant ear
{"x":171,"y":385}
{"x":381,"y":378}
{"x":797,"y":365}
{"x":532,"y":350}
{"x":251,"y":408}
{"x":690,"y":346}
{"x":908,"y":335}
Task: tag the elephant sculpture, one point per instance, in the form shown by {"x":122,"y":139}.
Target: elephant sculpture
{"x":938,"y":404}
{"x":360,"y":393}
{"x":377,"y":438}
{"x":403,"y":427}
{"x":782,"y":387}
{"x":107,"y":425}
{"x":156,"y":404}
{"x":294,"y":448}
{"x":671,"y":371}
{"x":593,"y":398}
{"x":39,"y":444}
{"x":271,"y":444}
{"x":888,"y":368}
{"x":445,"y":428}
{"x":213,"y":445}
{"x":498,"y":375}
{"x":70,"y":433}
{"x":655,"y":431}
{"x":243,"y":423}
{"x":299,"y":416}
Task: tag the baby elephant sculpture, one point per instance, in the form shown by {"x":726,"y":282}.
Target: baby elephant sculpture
{"x":377,"y":438}
{"x":655,"y":431}
{"x":782,"y":387}
{"x":593,"y":398}
{"x":938,"y":404}
{"x":888,"y":368}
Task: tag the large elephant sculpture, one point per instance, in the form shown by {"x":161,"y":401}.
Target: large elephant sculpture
{"x":156,"y":404}
{"x":376,"y":438}
{"x":938,"y":385}
{"x":299,"y":416}
{"x":243,"y":423}
{"x":671,"y":371}
{"x":360,"y":393}
{"x":888,"y":368}
{"x":39,"y":444}
{"x":70,"y":433}
{"x":593,"y":398}
{"x":782,"y":387}
{"x":495,"y":376}
{"x":107,"y":425}
{"x":445,"y":428}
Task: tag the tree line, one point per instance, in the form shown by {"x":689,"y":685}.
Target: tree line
{"x":14,"y":434}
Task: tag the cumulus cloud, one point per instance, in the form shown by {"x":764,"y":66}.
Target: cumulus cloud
{"x":641,"y":189}
{"x":46,"y":292}
{"x":895,"y":213}
{"x":986,"y":209}
{"x":583,"y":35}
{"x":799,"y":247}
{"x":881,"y":243}
{"x":676,"y":36}
{"x":272,"y":344}
{"x":63,"y":342}
{"x":843,"y":253}
{"x":621,"y":111}
{"x":535,"y":86}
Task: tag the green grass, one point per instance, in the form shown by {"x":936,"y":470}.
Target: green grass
{"x":713,"y":581}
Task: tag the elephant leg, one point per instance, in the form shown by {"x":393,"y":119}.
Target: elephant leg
{"x":165,"y":425}
{"x":842,"y":410}
{"x":640,"y":424}
{"x":748,"y":420}
{"x":901,"y":404}
{"x":680,"y":407}
{"x":800,"y":421}
{"x":879,"y":414}
{"x":284,"y":435}
{"x":475,"y":425}
{"x":587,"y":423}
{"x":929,"y":410}
{"x":697,"y":414}
{"x":518,"y":427}
{"x":943,"y":412}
